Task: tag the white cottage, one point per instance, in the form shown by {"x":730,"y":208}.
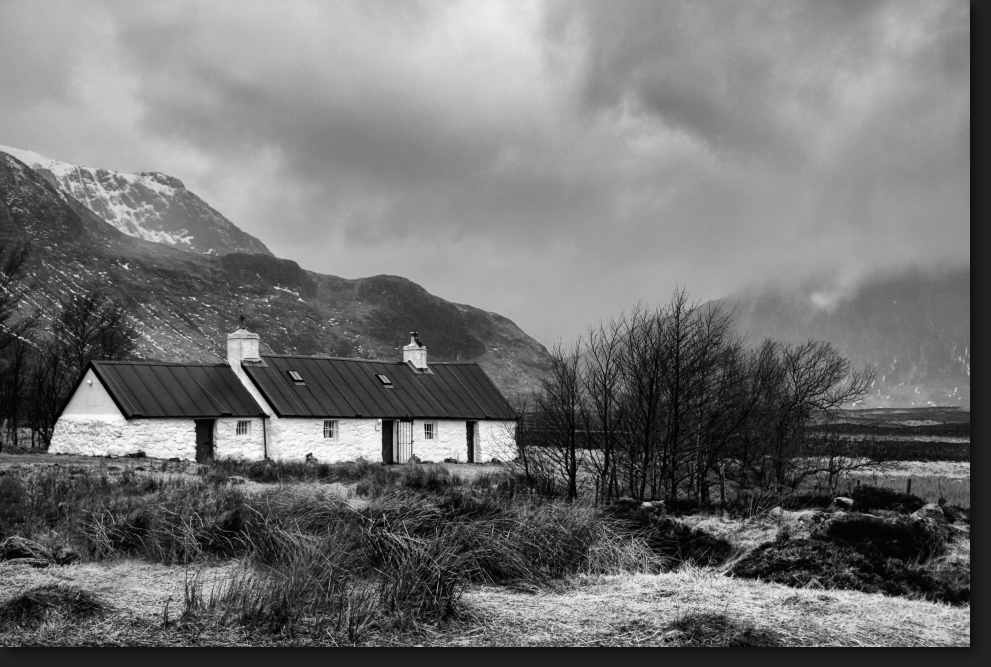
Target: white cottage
{"x":285,"y":407}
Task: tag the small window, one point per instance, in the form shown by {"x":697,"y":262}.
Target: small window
{"x":243,"y":427}
{"x":384,"y":379}
{"x":330,"y":429}
{"x":296,"y":377}
{"x":430,"y":430}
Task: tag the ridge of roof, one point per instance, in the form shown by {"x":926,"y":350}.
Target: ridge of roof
{"x":142,"y":362}
{"x":319,"y":357}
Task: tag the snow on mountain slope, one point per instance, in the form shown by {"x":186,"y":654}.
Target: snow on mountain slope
{"x":150,"y":205}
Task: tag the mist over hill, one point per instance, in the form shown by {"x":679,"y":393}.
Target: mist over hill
{"x":913,"y":328}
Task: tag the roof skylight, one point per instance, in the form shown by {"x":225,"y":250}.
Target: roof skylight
{"x":384,"y":379}
{"x":295,"y":377}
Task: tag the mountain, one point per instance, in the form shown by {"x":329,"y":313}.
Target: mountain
{"x":149,"y":205}
{"x":185,"y":304}
{"x":912,"y":328}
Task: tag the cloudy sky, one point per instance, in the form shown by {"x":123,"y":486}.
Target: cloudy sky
{"x":555,"y":162}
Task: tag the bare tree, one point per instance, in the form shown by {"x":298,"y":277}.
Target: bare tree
{"x":601,"y":384}
{"x":86,"y":327}
{"x":641,"y":363}
{"x":561,"y":413}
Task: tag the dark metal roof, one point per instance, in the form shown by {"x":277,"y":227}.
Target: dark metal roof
{"x":158,"y":389}
{"x":349,"y":388}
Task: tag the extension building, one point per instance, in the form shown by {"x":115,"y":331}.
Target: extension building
{"x":285,"y":407}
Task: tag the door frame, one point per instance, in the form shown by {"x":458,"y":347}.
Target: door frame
{"x":471,"y":439}
{"x":404,"y":440}
{"x":388,"y":441}
{"x":208,"y":427}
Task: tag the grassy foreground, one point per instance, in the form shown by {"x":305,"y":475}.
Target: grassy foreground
{"x":255,"y":554}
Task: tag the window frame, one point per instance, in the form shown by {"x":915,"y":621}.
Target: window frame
{"x":434,"y":429}
{"x":242,"y":428}
{"x":335,"y":429}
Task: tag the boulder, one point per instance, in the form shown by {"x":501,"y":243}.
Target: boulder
{"x":930,"y":511}
{"x":16,"y":547}
{"x":845,"y":503}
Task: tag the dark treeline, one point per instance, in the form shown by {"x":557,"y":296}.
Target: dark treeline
{"x":46,"y":342}
{"x":671,"y":403}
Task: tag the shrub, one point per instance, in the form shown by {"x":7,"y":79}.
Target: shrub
{"x":803,"y":501}
{"x":670,"y":539}
{"x":714,"y":630}
{"x":898,"y":537}
{"x":866,"y":498}
{"x":49,"y":602}
{"x":806,"y":562}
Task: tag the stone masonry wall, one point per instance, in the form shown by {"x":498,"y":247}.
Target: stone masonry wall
{"x":295,"y":438}
{"x":227,"y":444}
{"x":158,"y":438}
{"x":288,"y":439}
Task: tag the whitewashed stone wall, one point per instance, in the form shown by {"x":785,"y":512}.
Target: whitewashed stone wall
{"x":297,"y":437}
{"x":450,"y":441}
{"x":229,"y":445}
{"x":492,"y":440}
{"x":103,"y":436}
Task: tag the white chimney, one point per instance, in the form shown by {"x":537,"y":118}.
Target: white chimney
{"x":242,"y":345}
{"x":414,"y":353}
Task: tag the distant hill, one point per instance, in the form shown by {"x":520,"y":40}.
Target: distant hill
{"x":913,"y":328}
{"x":149,"y":205}
{"x":185,"y":303}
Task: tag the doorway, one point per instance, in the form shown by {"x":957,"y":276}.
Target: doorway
{"x":471,"y":428}
{"x":404,"y":441}
{"x":387,"y":429}
{"x":204,"y":440}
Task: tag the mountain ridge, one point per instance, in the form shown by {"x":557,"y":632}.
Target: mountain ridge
{"x":148,"y":205}
{"x":184,"y":304}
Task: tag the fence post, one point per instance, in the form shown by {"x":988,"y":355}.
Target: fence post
{"x":908,"y":486}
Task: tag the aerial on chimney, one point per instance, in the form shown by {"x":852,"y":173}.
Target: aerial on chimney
{"x":415,"y":354}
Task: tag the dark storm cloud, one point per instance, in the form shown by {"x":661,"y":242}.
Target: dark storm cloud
{"x":555,"y":162}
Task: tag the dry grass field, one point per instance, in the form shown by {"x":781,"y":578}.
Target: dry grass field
{"x":176,"y":554}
